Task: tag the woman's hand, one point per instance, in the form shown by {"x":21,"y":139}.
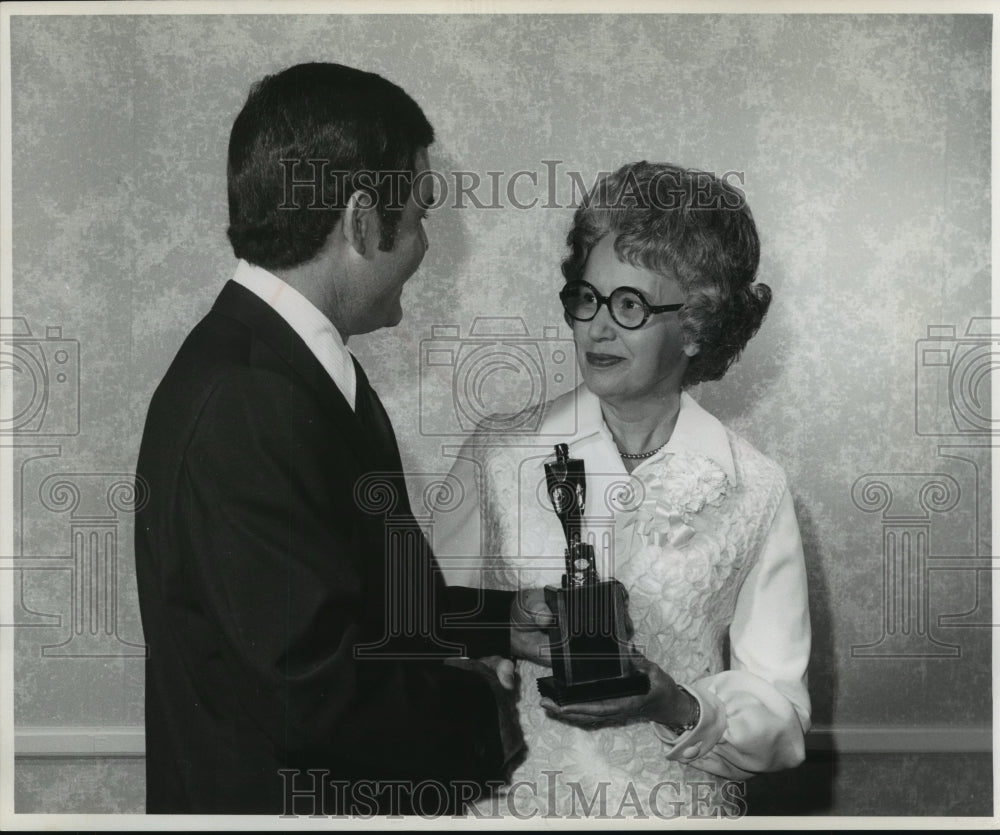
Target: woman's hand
{"x":665,"y":703}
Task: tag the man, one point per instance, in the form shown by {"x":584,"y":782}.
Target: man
{"x":293,"y":622}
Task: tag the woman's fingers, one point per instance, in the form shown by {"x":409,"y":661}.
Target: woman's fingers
{"x":594,"y":713}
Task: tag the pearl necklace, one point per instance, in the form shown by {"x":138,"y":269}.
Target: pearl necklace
{"x":635,"y":456}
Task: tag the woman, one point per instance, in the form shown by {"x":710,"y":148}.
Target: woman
{"x":697,"y":524}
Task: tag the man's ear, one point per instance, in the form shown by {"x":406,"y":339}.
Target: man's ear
{"x":691,"y":349}
{"x":360,"y":221}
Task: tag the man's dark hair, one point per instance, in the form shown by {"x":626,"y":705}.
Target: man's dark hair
{"x":333,"y":128}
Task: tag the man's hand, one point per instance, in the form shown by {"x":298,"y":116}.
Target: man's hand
{"x":489,"y":667}
{"x":529,"y":618}
{"x":499,"y":674}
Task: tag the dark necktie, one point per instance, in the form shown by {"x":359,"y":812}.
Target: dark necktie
{"x":413,"y":582}
{"x":409,"y":577}
{"x":376,"y":425}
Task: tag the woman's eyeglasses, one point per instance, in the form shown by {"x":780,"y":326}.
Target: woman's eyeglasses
{"x":627,"y":306}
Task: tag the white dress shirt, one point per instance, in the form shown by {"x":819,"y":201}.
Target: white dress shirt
{"x":318,"y":332}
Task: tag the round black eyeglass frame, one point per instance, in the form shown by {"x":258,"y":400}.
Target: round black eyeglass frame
{"x":648,"y":309}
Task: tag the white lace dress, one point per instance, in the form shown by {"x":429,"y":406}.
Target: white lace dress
{"x":703,"y":535}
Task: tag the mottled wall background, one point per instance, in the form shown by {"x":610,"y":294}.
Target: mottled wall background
{"x":863,"y":146}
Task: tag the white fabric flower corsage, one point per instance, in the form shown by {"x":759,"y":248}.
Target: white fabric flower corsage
{"x":676,"y":488}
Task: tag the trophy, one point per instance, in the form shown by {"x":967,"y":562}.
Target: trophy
{"x":589,"y":641}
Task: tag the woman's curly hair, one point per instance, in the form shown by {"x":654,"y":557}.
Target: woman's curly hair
{"x":689,"y":225}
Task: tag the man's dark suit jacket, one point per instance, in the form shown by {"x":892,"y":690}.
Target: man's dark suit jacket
{"x":258,"y":575}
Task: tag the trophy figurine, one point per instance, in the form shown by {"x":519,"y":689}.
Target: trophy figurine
{"x":590,"y":639}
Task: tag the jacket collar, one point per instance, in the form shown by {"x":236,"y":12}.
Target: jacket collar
{"x":577,"y":418}
{"x":237,"y":302}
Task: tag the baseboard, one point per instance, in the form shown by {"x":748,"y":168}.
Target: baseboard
{"x":80,"y":741}
{"x":880,"y":739}
{"x":130,"y":741}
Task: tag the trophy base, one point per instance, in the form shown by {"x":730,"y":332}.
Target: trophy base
{"x":593,"y":691}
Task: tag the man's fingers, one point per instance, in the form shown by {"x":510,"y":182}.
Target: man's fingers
{"x":543,"y":617}
{"x":639,"y":662}
{"x":531,"y":610}
{"x":502,"y":668}
{"x":534,"y":617}
{"x":505,"y":673}
{"x":531,"y":645}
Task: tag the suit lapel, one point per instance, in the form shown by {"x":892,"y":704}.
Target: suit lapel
{"x":277,"y":345}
